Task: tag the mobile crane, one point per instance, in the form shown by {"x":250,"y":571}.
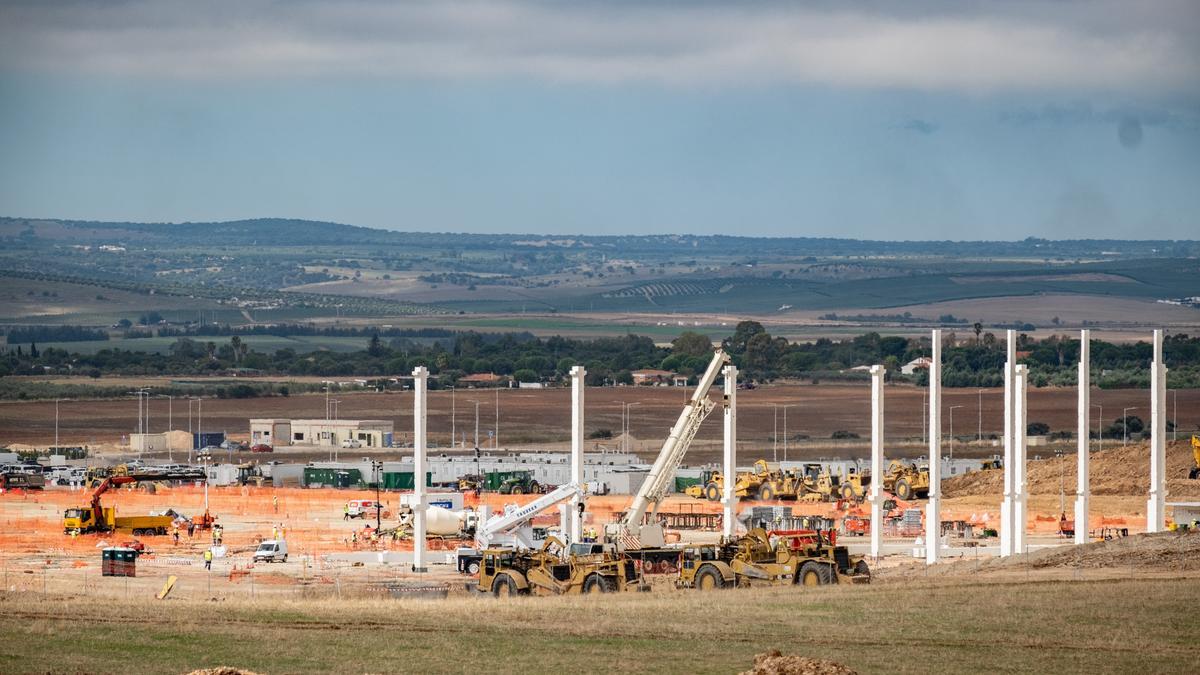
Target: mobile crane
{"x":632,"y":531}
{"x":512,"y":529}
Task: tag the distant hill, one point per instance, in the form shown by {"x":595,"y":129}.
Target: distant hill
{"x":296,"y":232}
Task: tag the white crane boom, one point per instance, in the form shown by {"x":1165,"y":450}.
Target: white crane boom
{"x":521,"y":515}
{"x":662,"y":474}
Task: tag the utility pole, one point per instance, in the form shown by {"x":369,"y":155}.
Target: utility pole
{"x":496,"y":439}
{"x":453,"y":411}
{"x":979,"y":433}
{"x":476,"y":422}
{"x":56,"y":424}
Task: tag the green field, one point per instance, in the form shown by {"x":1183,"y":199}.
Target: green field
{"x":1113,"y":626}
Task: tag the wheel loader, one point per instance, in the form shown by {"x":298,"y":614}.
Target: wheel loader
{"x":762,"y":483}
{"x":552,"y":570}
{"x":906,"y":481}
{"x":801,"y":557}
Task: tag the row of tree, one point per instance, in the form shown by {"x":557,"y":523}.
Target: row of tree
{"x":974,"y":361}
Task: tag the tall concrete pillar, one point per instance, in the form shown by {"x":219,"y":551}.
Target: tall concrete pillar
{"x":1156,"y":520}
{"x":1006,"y":506}
{"x":578,"y":383}
{"x":1083,"y":487}
{"x":728,"y":500}
{"x":420,"y":378}
{"x":933,"y":511}
{"x":1020,"y":481}
{"x":875,"y":494}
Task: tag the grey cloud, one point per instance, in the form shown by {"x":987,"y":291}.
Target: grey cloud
{"x":1109,"y":45}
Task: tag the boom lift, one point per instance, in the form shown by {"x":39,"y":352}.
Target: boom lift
{"x":631,"y":531}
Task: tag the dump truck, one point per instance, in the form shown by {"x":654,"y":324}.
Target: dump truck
{"x":554,"y":570}
{"x":96,"y":518}
{"x":802,"y":557}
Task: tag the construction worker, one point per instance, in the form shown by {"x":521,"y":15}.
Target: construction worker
{"x":208,"y":558}
{"x":354,"y":538}
{"x":191,"y":529}
{"x":175,"y":533}
{"x":345,"y":512}
{"x":216,"y":535}
{"x":275,"y":502}
{"x":274,"y":532}
{"x":282,"y":531}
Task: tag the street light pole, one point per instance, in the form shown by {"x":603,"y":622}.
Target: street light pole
{"x":476,"y":423}
{"x":1125,"y":425}
{"x":628,"y":425}
{"x":56,"y":424}
{"x":952,"y":430}
{"x":453,"y":412}
{"x":496,"y":439}
{"x":775,"y":436}
{"x":979,"y":433}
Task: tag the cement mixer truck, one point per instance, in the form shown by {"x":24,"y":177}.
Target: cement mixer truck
{"x":442,"y":522}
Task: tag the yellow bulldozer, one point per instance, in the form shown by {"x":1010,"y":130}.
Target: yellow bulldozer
{"x":808,"y":558}
{"x":554,"y":570}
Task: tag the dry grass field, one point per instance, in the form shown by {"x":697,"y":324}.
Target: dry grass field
{"x":915,"y":626}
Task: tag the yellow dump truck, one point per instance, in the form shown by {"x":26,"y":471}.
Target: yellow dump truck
{"x":83,"y":520}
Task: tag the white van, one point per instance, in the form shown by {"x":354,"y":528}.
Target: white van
{"x":271,"y":550}
{"x":351,"y":443}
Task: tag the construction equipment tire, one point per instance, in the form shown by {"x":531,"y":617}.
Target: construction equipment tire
{"x":503,"y":586}
{"x":765,"y":493}
{"x":473,"y":568}
{"x":712,"y":492}
{"x":596,"y":583}
{"x":903,"y":490}
{"x":847,"y":491}
{"x":709,"y":579}
{"x":1194,"y":473}
{"x":861,"y":568}
{"x":814,"y":574}
{"x":517,"y":490}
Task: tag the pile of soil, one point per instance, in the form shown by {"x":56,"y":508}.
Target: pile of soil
{"x":775,"y":663}
{"x":1115,"y":471}
{"x":1164,"y":551}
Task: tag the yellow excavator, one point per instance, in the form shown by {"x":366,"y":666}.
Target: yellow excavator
{"x":1194,"y":473}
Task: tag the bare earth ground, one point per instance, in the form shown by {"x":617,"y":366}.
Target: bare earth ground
{"x":529,"y":417}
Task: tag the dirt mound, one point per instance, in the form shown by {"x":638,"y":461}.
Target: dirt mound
{"x":1114,"y":471}
{"x":222,"y":670}
{"x":1173,"y":551}
{"x":775,"y":663}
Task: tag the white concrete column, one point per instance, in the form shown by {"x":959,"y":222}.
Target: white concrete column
{"x":728,"y":501}
{"x":1083,"y":487}
{"x":933,"y":511}
{"x":875,"y":493}
{"x":1006,"y":506}
{"x":578,"y":383}
{"x":1156,"y":520}
{"x":420,"y":377}
{"x":1020,"y":482}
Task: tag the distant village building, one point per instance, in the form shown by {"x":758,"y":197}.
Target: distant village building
{"x":921,"y":363}
{"x":662,"y":378}
{"x":482,"y":380}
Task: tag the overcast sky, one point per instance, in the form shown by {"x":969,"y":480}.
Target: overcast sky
{"x":915,"y":120}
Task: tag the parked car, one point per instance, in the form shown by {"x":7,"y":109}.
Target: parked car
{"x":261,"y":447}
{"x":351,"y":443}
